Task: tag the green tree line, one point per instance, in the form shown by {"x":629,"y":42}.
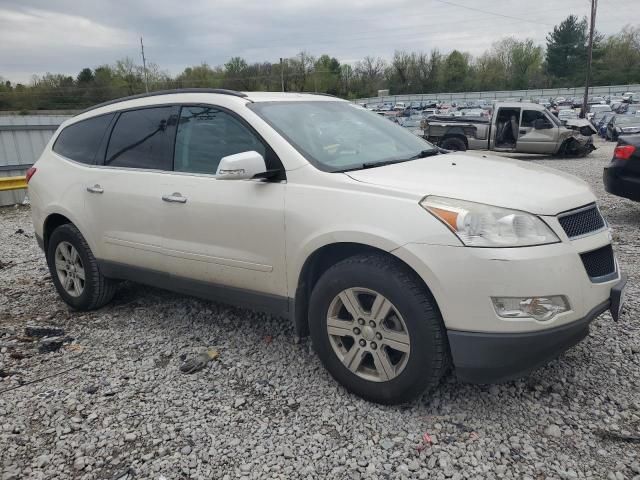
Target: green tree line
{"x":510,"y":64}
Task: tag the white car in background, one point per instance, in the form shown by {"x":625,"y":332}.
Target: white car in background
{"x":593,"y":109}
{"x":398,"y":259}
{"x":567,"y":114}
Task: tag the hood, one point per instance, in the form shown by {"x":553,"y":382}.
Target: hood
{"x":581,"y":124}
{"x":493,"y":180}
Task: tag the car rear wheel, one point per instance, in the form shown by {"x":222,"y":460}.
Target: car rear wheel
{"x":377,"y":329}
{"x":74,"y":270}
{"x":453,"y":143}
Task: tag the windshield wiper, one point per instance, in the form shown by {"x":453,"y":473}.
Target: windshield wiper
{"x":426,"y":153}
{"x":364,"y":166}
{"x":422,"y":154}
{"x":383,"y":163}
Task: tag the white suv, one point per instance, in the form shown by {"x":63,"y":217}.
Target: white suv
{"x":398,"y":258}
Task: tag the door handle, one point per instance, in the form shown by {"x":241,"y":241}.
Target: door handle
{"x":175,"y":197}
{"x":522,"y":131}
{"x":95,"y":189}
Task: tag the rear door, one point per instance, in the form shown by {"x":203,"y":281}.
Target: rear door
{"x":78,"y":144}
{"x":225,"y":232}
{"x":532,"y":140}
{"x":124,"y":195}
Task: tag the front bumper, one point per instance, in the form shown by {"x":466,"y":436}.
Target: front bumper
{"x":463,"y":280}
{"x":495,"y":357}
{"x":488,"y":348}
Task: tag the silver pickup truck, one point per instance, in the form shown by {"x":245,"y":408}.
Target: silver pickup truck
{"x":513,"y":127}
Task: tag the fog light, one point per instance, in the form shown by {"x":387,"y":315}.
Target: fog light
{"x":538,"y":308}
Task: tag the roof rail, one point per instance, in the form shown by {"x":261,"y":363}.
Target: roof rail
{"x":320,"y":93}
{"x":221,"y":91}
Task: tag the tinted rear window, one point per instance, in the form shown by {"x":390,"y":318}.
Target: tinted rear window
{"x":143,"y":139}
{"x":80,"y":141}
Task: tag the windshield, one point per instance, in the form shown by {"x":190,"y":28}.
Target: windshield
{"x":553,"y":118}
{"x":627,"y":119}
{"x":337,"y":136}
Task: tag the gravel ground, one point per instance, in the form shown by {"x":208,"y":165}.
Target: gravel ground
{"x":115,"y":404}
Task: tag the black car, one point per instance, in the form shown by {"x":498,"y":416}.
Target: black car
{"x":622,"y":176}
{"x":601,"y":123}
{"x":623,"y":125}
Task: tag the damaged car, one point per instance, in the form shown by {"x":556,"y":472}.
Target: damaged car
{"x":513,"y":127}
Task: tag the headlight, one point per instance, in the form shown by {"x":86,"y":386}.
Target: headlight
{"x":479,"y":225}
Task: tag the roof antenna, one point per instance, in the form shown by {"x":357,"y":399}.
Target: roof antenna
{"x":144,"y":66}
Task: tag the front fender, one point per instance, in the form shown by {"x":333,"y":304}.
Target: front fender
{"x":314,"y":243}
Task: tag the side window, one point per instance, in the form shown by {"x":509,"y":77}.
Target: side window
{"x":142,"y":139}
{"x":529,"y":118}
{"x":81,"y":141}
{"x":205,"y":135}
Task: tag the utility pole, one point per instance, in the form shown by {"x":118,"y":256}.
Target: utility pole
{"x":281,"y":74}
{"x":144,"y":66}
{"x":585,"y":100}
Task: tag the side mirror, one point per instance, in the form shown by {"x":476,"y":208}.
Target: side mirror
{"x":540,"y":124}
{"x":241,"y":166}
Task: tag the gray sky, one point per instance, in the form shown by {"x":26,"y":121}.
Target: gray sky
{"x":63,"y":36}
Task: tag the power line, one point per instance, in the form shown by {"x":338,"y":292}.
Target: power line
{"x":402,"y":34}
{"x":396,"y":32}
{"x":447,"y":2}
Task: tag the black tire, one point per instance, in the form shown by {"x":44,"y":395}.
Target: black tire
{"x":98,"y":290}
{"x":454,"y":144}
{"x":429,"y":352}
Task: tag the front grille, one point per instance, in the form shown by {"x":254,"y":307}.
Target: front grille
{"x":581,"y":221}
{"x":600,"y":262}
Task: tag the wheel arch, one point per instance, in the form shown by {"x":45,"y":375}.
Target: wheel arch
{"x":52,"y":222}
{"x":56,"y":217}
{"x":318,"y":262}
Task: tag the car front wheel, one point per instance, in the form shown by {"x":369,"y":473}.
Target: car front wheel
{"x":377,"y":329}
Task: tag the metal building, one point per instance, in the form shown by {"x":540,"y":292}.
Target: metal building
{"x":22,"y":140}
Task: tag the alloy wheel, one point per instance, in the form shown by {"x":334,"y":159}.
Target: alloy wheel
{"x":69,"y":269}
{"x":368,"y":334}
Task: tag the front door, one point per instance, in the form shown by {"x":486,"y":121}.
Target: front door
{"x":225,"y":232}
{"x":504,"y":131}
{"x":537,"y":140}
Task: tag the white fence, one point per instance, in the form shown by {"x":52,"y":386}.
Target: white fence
{"x":501,"y":95}
{"x":22,"y":140}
